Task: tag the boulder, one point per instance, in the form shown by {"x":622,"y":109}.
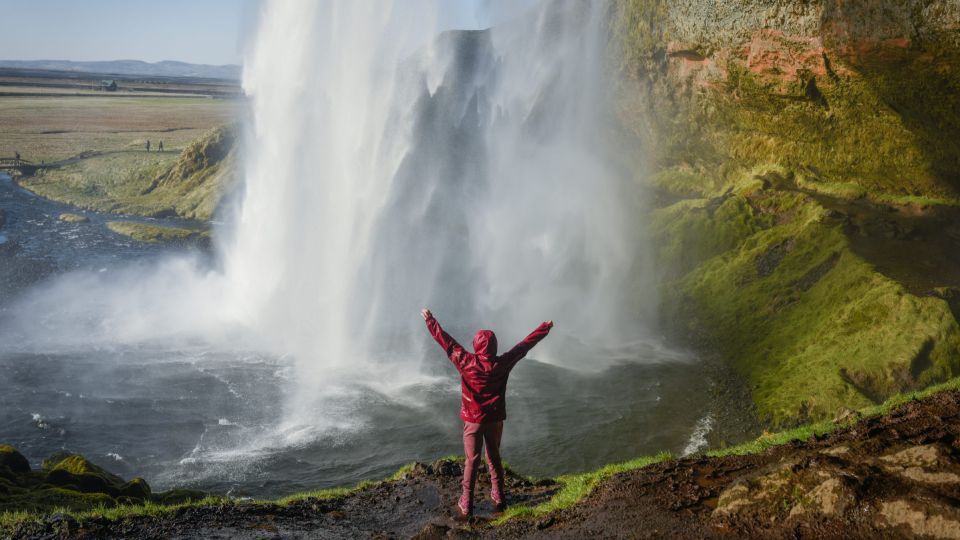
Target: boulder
{"x":13,"y":460}
{"x":74,"y":218}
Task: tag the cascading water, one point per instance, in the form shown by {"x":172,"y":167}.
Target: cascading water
{"x":391,"y":170}
{"x":394,"y":161}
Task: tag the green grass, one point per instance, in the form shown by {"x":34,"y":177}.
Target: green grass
{"x":10,"y":519}
{"x":802,"y":433}
{"x":56,"y":128}
{"x":823,"y":330}
{"x":577,"y":486}
{"x":132,"y":181}
{"x":143,"y":232}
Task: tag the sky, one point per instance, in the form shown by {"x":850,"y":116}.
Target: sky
{"x":195,"y":31}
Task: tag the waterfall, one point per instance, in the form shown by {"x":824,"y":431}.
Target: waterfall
{"x":394,"y":165}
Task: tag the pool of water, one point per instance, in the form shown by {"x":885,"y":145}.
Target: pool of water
{"x":221,"y":419}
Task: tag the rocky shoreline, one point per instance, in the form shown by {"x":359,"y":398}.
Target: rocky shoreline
{"x":893,"y":475}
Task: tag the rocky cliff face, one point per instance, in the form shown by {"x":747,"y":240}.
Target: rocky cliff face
{"x":201,"y":176}
{"x":806,"y":156}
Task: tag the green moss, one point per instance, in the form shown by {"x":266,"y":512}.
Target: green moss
{"x":77,"y":465}
{"x":146,"y":184}
{"x":810,"y":324}
{"x":692,"y":231}
{"x":13,"y":460}
{"x":144,"y":232}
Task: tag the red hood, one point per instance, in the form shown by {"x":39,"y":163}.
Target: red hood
{"x":485,"y":343}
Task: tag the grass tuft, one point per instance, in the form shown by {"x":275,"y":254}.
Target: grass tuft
{"x":577,"y":486}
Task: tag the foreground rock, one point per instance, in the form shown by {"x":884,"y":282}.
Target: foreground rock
{"x":423,"y":500}
{"x":71,"y":482}
{"x":895,"y":476}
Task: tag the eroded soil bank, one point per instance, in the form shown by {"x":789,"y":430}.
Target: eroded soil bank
{"x":896,"y":475}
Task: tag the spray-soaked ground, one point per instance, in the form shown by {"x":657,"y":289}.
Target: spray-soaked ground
{"x":184,"y":415}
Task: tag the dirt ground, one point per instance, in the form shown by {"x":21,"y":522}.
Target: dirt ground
{"x":895,"y":476}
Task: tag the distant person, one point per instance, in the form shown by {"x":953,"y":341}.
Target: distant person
{"x":148,"y":145}
{"x":483,"y":408}
{"x":16,"y":156}
{"x":160,"y":147}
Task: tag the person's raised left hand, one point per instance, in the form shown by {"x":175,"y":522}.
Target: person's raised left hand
{"x":426,"y":314}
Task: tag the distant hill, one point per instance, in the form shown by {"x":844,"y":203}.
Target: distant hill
{"x":166,"y":68}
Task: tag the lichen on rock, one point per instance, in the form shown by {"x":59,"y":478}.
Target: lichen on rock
{"x":787,"y":141}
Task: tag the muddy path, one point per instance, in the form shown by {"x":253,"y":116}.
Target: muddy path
{"x":891,"y":476}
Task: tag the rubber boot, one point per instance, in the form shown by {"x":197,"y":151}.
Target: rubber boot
{"x":465,"y":504}
{"x":496,"y":490}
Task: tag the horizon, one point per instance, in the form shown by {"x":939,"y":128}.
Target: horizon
{"x":215,"y":32}
{"x":153,"y":62}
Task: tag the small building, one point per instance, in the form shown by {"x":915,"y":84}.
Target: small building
{"x":108,"y":85}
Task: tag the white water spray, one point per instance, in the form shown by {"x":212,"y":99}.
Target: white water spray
{"x":390,"y":170}
{"x":395,"y":164}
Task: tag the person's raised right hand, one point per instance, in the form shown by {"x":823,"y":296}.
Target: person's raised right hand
{"x":425,"y":313}
{"x":549,"y":323}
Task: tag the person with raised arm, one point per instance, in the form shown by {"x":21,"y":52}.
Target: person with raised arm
{"x":483,"y":406}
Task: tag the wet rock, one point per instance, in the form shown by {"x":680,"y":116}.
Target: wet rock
{"x":546,"y":522}
{"x":921,"y":521}
{"x":61,"y":522}
{"x":420,"y":469}
{"x":732,"y":499}
{"x":804,"y":488}
{"x":432,"y":531}
{"x":836,"y":451}
{"x":771,"y":259}
{"x":13,"y":460}
{"x":829,"y":498}
{"x":447,"y":467}
{"x":74,"y":218}
{"x":930,"y":463}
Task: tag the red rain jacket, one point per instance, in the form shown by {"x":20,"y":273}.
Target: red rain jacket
{"x":483,"y":374}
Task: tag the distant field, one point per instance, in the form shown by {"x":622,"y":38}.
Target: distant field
{"x":29,"y":91}
{"x":54,"y":128}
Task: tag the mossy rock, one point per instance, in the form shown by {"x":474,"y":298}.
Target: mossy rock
{"x":55,"y":497}
{"x":72,"y":482}
{"x":143,"y":232}
{"x":74,"y":218}
{"x":13,"y":460}
{"x":136,"y":489}
{"x":78,"y":465}
{"x":812,"y":325}
{"x":178,"y":496}
{"x":75,"y":471}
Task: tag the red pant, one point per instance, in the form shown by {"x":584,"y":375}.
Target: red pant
{"x":476,"y":436}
